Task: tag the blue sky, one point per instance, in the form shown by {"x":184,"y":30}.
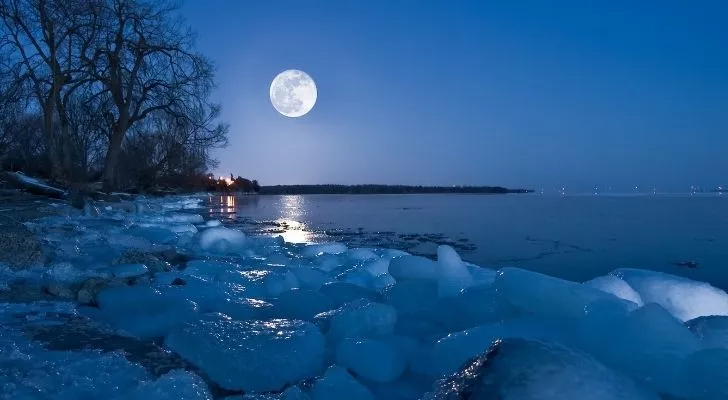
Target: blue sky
{"x":514,"y":93}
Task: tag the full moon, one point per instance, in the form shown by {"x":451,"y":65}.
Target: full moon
{"x":293,"y":93}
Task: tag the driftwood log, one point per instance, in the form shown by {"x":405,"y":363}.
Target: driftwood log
{"x":32,"y":185}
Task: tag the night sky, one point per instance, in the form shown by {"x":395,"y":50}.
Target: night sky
{"x":516,"y":93}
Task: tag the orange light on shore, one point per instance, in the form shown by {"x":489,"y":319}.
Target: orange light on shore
{"x":227,"y":181}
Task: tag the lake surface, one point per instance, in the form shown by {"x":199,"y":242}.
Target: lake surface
{"x":574,"y":237}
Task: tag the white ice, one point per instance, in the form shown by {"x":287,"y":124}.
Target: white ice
{"x":222,"y":240}
{"x":612,"y":284}
{"x":453,"y":274}
{"x":684,"y":298}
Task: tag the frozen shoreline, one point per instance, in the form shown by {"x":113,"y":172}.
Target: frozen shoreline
{"x":245,"y":314}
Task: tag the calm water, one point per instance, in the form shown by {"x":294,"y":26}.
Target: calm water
{"x":575,"y":237}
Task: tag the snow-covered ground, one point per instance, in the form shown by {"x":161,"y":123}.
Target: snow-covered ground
{"x":259,"y":318}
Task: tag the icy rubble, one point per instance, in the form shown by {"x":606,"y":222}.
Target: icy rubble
{"x":268,"y":319}
{"x":28,"y":371}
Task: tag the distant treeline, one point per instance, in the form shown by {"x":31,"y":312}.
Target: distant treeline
{"x":384,"y":189}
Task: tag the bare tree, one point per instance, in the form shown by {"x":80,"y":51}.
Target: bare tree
{"x":102,"y":77}
{"x":46,"y":39}
{"x":168,"y":150}
{"x":147,"y":64}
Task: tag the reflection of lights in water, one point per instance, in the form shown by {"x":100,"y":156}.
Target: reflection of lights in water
{"x":295,"y":232}
{"x":292,"y":206}
{"x":291,"y":212}
{"x":227,"y":206}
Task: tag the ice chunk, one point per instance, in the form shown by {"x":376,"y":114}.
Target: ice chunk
{"x":413,"y":297}
{"x":208,"y":269}
{"x":153,"y":233}
{"x":329,"y":262}
{"x":211,"y":296}
{"x":360,"y":319}
{"x":413,"y":267}
{"x":310,"y":278}
{"x":377,"y":267}
{"x":551,"y":297}
{"x":711,"y":330}
{"x":302,"y":304}
{"x":182,"y":229}
{"x":382,"y":282}
{"x":314,"y":250}
{"x":279,"y":259}
{"x":392,"y":253}
{"x":65,"y":272}
{"x":175,"y":385}
{"x":292,"y":393}
{"x":253,"y":356}
{"x":684,"y":298}
{"x":358,"y":277}
{"x":649,"y":346}
{"x":28,"y":371}
{"x":517,"y":369}
{"x":244,"y":309}
{"x":344,"y":292}
{"x":213,"y":223}
{"x":182,"y":204}
{"x":172,"y":218}
{"x":417,"y":327}
{"x":280,"y":281}
{"x":222,"y":240}
{"x":450,"y":352}
{"x":143,"y":311}
{"x":403,"y":389}
{"x":167,"y":278}
{"x":337,"y":384}
{"x":612,"y":284}
{"x":128,"y":270}
{"x":127,"y":297}
{"x":453,"y":273}
{"x":359,"y":254}
{"x":372,"y":359}
{"x":704,"y":375}
{"x":129,"y":241}
{"x":481,"y":275}
{"x":476,"y":305}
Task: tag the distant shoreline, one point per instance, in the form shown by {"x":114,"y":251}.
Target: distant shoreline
{"x":386,"y":189}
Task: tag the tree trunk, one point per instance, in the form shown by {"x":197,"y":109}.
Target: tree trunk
{"x":67,"y":152}
{"x":110,"y":177}
{"x":52,"y":148}
{"x":65,"y":141}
